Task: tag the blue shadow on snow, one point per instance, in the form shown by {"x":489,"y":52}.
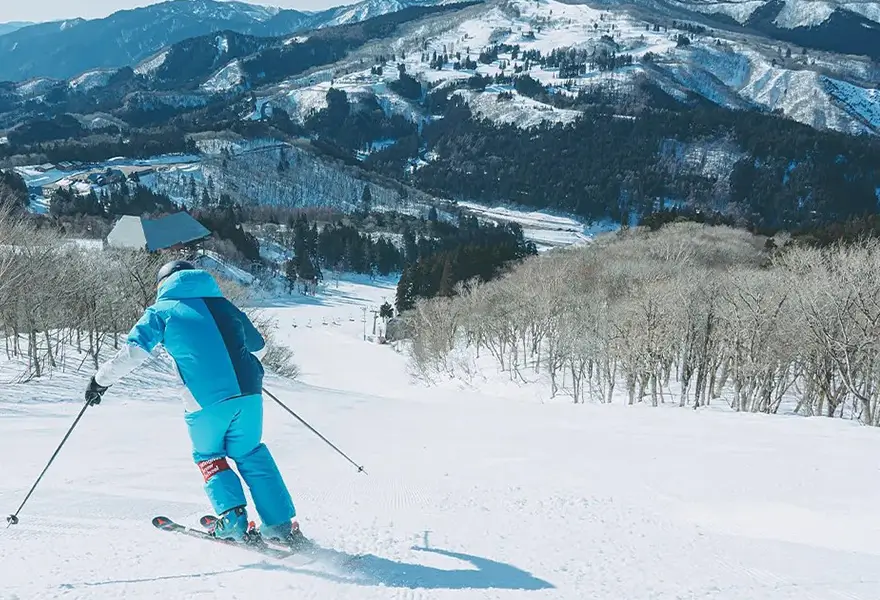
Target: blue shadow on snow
{"x":371,"y":570}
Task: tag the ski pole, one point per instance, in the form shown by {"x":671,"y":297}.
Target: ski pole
{"x":326,"y":441}
{"x":13,"y":518}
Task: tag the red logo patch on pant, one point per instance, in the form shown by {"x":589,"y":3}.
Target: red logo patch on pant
{"x":209,"y":468}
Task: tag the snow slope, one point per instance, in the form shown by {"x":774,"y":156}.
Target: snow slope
{"x":470,"y":494}
{"x":225,"y":79}
{"x":545,"y":230}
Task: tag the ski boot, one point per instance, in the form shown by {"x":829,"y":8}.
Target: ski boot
{"x":288,"y":534}
{"x":232,"y":525}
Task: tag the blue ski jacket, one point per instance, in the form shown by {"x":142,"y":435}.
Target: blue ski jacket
{"x":208,"y":338}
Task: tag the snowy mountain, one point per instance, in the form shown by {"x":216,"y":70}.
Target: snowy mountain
{"x":367,"y":9}
{"x":836,"y":26}
{"x":789,"y":14}
{"x":63,"y":50}
{"x":403,"y":96}
{"x":730,"y":66}
{"x":66,"y":49}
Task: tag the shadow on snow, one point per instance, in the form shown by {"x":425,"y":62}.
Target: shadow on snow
{"x":371,"y":570}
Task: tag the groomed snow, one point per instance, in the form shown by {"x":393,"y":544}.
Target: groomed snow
{"x":545,"y":230}
{"x":471,"y":494}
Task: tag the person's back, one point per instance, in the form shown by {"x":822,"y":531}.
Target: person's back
{"x":210,"y":340}
{"x":211,"y":343}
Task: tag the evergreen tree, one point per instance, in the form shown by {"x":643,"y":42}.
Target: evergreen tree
{"x":290,"y":275}
{"x":386,"y":311}
{"x":366,"y":200}
{"x":446,"y":279}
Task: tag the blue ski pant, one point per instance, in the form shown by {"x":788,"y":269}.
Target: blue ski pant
{"x":234,"y":429}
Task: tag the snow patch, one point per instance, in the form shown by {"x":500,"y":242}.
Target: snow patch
{"x":150,"y":65}
{"x":91,"y":79}
{"x":800,"y":95}
{"x":864,"y":103}
{"x":222,"y":44}
{"x":739,"y":11}
{"x":803,"y":13}
{"x":35,"y":87}
{"x":712,"y":160}
{"x":723,"y":62}
{"x":518,"y":110}
{"x":869,"y":10}
{"x":213,"y":261}
{"x":225,"y":79}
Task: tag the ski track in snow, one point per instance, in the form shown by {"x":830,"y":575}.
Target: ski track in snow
{"x":471,"y":493}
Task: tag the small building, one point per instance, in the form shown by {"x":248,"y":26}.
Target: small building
{"x":114,"y":176}
{"x":171,"y":232}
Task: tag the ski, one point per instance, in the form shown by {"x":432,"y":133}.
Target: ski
{"x":307,"y":549}
{"x":209,"y":522}
{"x":255,"y":544}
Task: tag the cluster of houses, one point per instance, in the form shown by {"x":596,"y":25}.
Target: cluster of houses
{"x":88,"y":178}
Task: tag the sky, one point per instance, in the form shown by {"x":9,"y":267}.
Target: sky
{"x":50,"y":10}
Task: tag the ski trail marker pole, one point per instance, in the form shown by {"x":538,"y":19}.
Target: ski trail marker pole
{"x":326,"y":441}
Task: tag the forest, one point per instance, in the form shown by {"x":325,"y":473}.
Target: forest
{"x":605,"y":166}
{"x":689,"y":315}
{"x":432,"y":255}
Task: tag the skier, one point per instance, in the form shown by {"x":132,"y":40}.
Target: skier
{"x":211,"y":343}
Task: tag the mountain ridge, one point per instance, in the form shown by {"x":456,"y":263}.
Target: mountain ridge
{"x":69,"y":48}
{"x":11,"y":26}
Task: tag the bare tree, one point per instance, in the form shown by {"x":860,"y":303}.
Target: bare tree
{"x":701,"y":308}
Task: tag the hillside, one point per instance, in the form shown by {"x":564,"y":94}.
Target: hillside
{"x":12,"y":26}
{"x":732,"y":69}
{"x":835,"y":25}
{"x":471,"y":494}
{"x":607,"y":113}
